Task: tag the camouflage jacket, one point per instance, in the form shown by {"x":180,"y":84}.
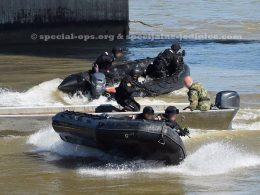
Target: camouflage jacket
{"x":198,"y":97}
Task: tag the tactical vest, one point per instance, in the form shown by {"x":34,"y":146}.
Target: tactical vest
{"x":167,"y":56}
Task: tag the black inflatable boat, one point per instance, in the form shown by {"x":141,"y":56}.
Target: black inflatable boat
{"x":81,"y":82}
{"x":136,"y":138}
{"x":94,"y":85}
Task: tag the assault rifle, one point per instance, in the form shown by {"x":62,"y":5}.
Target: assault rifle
{"x":184,"y":132}
{"x":140,"y":86}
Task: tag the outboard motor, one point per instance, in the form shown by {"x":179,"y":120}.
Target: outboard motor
{"x":227,"y":100}
{"x":98,"y":85}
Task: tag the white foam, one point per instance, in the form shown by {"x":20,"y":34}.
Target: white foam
{"x":79,"y":99}
{"x":211,"y":159}
{"x":248,"y":114}
{"x":105,"y":172}
{"x":46,"y":94}
{"x":83,"y":100}
{"x":149,"y":101}
{"x":46,"y":140}
{"x":180,"y":92}
{"x":114,"y":170}
{"x":40,"y":95}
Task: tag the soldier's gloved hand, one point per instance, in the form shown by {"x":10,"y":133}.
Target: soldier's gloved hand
{"x":184,"y":132}
{"x":181,"y":133}
{"x":109,"y":97}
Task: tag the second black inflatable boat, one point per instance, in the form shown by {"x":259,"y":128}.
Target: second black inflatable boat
{"x":136,"y":138}
{"x":81,"y":82}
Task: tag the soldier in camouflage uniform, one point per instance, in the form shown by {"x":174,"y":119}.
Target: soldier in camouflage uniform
{"x":198,"y":95}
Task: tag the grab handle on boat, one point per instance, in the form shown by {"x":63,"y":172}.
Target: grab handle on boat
{"x":161,"y":141}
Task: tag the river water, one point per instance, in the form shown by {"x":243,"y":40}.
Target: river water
{"x":218,"y":162}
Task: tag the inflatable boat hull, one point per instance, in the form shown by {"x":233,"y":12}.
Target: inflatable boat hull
{"x":164,"y":85}
{"x":146,"y":140}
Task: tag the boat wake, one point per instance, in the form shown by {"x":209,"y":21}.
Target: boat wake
{"x":247,"y":119}
{"x":210,"y":159}
{"x":46,"y":94}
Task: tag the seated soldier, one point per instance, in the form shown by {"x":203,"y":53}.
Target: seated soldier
{"x":148,"y":114}
{"x":104,"y":61}
{"x":169,"y":117}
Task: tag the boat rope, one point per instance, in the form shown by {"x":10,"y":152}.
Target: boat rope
{"x":161,"y":140}
{"x":142,"y":22}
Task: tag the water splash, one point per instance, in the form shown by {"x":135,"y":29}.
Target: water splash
{"x":41,"y":95}
{"x":115,"y":170}
{"x":211,"y":159}
{"x":79,"y":99}
{"x":216,"y":158}
{"x":46,"y":140}
{"x":46,"y":94}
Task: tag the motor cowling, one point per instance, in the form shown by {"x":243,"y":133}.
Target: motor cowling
{"x":227,"y":100}
{"x":75,"y":83}
{"x":98,"y":84}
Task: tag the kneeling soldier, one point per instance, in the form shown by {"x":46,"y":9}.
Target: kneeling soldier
{"x":198,"y":95}
{"x":148,"y":114}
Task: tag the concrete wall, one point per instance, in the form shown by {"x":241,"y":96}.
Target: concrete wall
{"x":55,"y":16}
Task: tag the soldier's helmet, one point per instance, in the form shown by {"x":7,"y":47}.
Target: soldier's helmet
{"x":117,"y":50}
{"x":148,"y":110}
{"x":136,"y":72}
{"x":171,"y":110}
{"x":176,"y":47}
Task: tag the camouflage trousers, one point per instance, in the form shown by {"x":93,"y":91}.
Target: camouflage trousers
{"x":204,"y":106}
